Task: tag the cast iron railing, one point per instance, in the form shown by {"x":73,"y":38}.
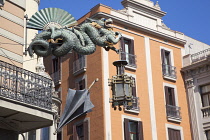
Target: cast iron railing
{"x":173,"y":112}
{"x":206,"y":111}
{"x":169,"y":71}
{"x":24,"y":86}
{"x":56,"y":76}
{"x":79,"y":64}
{"x":200,"y":55}
{"x":130,"y":58}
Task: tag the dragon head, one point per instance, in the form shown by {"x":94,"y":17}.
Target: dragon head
{"x":105,"y":23}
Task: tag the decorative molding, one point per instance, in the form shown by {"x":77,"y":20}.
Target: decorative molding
{"x":12,"y":17}
{"x":189,"y":83}
{"x":11,"y":36}
{"x":11,"y":55}
{"x":197,"y":70}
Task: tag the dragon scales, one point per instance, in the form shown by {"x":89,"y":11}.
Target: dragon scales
{"x":82,"y":39}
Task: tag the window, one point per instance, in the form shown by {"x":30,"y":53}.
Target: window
{"x":56,"y":64}
{"x":208,"y":134}
{"x":79,"y":64}
{"x":80,"y":85}
{"x":2,"y":3}
{"x":205,"y":97}
{"x":45,"y":133}
{"x":56,"y":73}
{"x":32,"y":135}
{"x":80,"y":131}
{"x":127,"y":47}
{"x":133,"y":130}
{"x":174,"y":134}
{"x":168,"y":69}
{"x":172,"y":110}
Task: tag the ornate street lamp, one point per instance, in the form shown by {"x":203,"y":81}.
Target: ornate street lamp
{"x":121,"y":86}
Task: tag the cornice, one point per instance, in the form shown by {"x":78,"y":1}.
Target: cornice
{"x":196,"y":69}
{"x":139,"y":27}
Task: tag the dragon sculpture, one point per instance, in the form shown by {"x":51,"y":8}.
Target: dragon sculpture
{"x":82,"y":39}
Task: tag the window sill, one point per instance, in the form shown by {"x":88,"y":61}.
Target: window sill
{"x":174,"y":119}
{"x":169,"y":78}
{"x":137,"y":111}
{"x":130,"y":67}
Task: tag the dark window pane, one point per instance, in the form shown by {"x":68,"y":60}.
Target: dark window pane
{"x":32,"y":135}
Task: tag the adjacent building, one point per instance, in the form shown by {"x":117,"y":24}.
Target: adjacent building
{"x":196,"y":75}
{"x":154,"y":55}
{"x":25,"y":96}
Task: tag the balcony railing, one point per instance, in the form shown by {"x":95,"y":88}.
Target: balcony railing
{"x":173,"y":112}
{"x":200,"y":55}
{"x":169,"y":71}
{"x":56,"y":77}
{"x":20,"y":85}
{"x":130,"y":58}
{"x":79,"y":65}
{"x":206,"y":111}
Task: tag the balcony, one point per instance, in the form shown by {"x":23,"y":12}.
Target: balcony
{"x":206,"y":111}
{"x":79,"y":66}
{"x":196,"y":57}
{"x":56,"y":77}
{"x":130,"y":58}
{"x":173,"y":113}
{"x":25,"y":99}
{"x":169,"y":71}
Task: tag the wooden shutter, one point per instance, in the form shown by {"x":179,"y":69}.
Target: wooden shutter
{"x":76,"y":85}
{"x":86,"y":130}
{"x":134,"y":93}
{"x":140,"y":131}
{"x":83,"y":84}
{"x":74,"y":132}
{"x":122,"y":46}
{"x":173,"y":97}
{"x":166,"y":95}
{"x":174,"y":134}
{"x":131,"y":47}
{"x":163,"y":56}
{"x":126,"y":129}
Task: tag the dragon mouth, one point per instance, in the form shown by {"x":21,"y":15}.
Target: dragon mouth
{"x":108,"y":22}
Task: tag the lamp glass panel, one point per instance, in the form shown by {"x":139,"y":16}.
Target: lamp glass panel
{"x":127,"y":93}
{"x":119,"y":90}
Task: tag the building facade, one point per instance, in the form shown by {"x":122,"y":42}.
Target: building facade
{"x":154,"y":55}
{"x":196,"y":76}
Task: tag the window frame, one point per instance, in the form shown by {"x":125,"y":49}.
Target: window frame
{"x":134,"y":89}
{"x":86,"y":133}
{"x":81,"y":80}
{"x":131,"y":51}
{"x":2,"y":2}
{"x":175,"y":127}
{"x":171,"y":61}
{"x":132,"y":119}
{"x":203,"y":94}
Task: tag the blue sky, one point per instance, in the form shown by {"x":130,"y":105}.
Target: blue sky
{"x":192,"y":17}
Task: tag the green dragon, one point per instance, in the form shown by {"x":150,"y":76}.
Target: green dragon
{"x":82,"y":39}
